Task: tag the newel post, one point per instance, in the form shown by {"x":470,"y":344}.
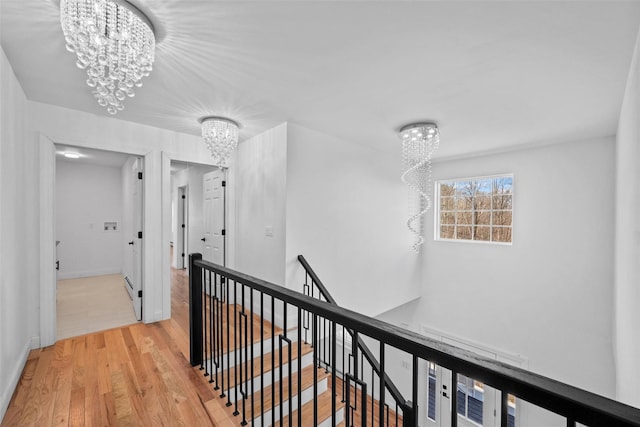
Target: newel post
{"x":195,"y":310}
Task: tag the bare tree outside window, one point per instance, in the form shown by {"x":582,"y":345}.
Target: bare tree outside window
{"x":479,"y":209}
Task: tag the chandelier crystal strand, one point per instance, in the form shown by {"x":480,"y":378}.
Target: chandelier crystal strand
{"x":419,"y":142}
{"x":114,"y":42}
{"x":221,"y":137}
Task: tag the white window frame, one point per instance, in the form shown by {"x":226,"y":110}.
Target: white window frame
{"x":437,"y":210}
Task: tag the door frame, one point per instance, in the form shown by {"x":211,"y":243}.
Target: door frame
{"x":48,"y":277}
{"x":182,"y":217}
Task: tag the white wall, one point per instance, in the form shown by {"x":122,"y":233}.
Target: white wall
{"x":627,"y":248}
{"x":259,"y":182}
{"x":87,"y":196}
{"x":346,"y":213}
{"x":549,"y":296}
{"x":19,"y":234}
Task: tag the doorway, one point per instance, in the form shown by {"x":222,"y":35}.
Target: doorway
{"x":197,"y":224}
{"x":97,"y":206}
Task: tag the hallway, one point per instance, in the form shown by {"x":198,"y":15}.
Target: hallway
{"x":133,"y":375}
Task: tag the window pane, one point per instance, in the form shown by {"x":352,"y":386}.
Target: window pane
{"x":447,"y":232}
{"x":447,"y":218}
{"x":501,"y":234}
{"x":464,"y":218}
{"x":483,"y":233}
{"x":447,"y":203}
{"x":483,"y":202}
{"x":503,"y":185}
{"x":502,"y":202}
{"x":447,"y":189}
{"x":483,"y":218}
{"x":464,"y":203}
{"x":464,"y":233}
{"x":502,"y":218}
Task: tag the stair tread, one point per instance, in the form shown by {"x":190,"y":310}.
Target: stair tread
{"x":307,"y":382}
{"x":324,"y":410}
{"x":230,"y":374}
{"x":235,"y":310}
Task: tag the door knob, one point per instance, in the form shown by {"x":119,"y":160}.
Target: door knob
{"x":131,"y":243}
{"x":203,"y":239}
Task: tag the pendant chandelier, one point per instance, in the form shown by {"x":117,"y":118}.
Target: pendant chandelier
{"x":221,"y":136}
{"x":419,"y":142}
{"x":114,"y":42}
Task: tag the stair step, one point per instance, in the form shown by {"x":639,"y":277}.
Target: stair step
{"x":324,"y":412}
{"x":306,"y":395}
{"x":372,"y":410}
{"x":228,"y":346}
{"x":229,"y":375}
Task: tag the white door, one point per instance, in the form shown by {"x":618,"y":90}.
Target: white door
{"x":213,"y":212}
{"x":137,"y":204}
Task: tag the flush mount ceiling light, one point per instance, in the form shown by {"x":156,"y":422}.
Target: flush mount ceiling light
{"x":221,"y":136}
{"x":114,"y":42}
{"x":419,"y":142}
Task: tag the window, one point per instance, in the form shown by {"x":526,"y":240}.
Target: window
{"x":431,"y":392}
{"x":470,"y":398}
{"x":478,"y":209}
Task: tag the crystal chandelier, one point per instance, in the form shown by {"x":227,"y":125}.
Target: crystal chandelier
{"x":114,"y":42}
{"x":419,"y":142}
{"x":221,"y":136}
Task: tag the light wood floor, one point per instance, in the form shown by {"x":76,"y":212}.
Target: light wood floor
{"x":92,"y":304}
{"x":136,"y":375}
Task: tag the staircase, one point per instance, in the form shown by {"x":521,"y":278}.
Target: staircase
{"x":270,"y":375}
{"x":271,"y":379}
{"x":314,"y":368}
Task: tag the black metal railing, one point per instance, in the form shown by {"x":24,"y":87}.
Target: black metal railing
{"x":403,"y":408}
{"x":233,"y":333}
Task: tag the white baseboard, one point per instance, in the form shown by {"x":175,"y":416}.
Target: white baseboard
{"x":10,"y":386}
{"x":88,"y":273}
{"x":35,"y":343}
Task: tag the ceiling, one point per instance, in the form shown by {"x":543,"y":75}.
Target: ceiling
{"x":491,"y":74}
{"x":91,"y":156}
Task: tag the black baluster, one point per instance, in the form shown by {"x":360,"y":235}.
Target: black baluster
{"x":195,"y":311}
{"x":236,"y":352}
{"x":300,"y":367}
{"x":315,"y":370}
{"x":333,"y":374}
{"x":383,"y":384}
{"x":253,"y":415}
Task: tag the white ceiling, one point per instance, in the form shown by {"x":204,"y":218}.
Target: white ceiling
{"x":491,"y":74}
{"x":91,"y":156}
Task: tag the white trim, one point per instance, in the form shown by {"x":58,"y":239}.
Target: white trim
{"x":47,"y":242}
{"x":11,"y":385}
{"x":89,"y":273}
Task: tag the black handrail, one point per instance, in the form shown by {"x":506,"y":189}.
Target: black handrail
{"x":368,"y":354}
{"x":563,"y":399}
